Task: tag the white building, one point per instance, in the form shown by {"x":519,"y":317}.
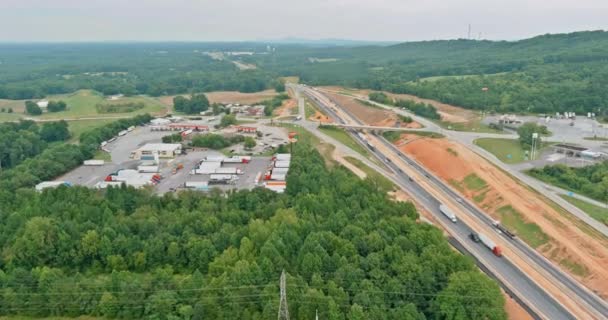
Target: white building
{"x":160,"y":121}
{"x":43,"y":104}
{"x":162,"y":150}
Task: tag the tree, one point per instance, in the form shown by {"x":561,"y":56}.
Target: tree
{"x":55,"y":131}
{"x":10,"y":110}
{"x":32,"y":108}
{"x":56,"y":106}
{"x":279,"y":86}
{"x":249,"y":143}
{"x":526,"y":132}
{"x":228,"y":120}
{"x":197,"y":104}
{"x":471,"y":295}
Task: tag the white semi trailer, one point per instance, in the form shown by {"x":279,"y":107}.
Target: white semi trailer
{"x":448,"y":213}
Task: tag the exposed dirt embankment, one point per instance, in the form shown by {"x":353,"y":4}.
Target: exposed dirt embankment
{"x":571,"y":244}
{"x":369,"y":114}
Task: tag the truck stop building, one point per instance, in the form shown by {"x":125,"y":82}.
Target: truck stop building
{"x":162,"y":150}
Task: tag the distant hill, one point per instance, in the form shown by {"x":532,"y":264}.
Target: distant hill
{"x":553,"y":72}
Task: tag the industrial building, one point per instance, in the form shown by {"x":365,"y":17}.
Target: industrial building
{"x":162,"y":150}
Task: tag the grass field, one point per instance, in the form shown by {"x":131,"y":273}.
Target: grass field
{"x":384,"y":182}
{"x":309,"y":109}
{"x":470,"y":126}
{"x":81,"y":104}
{"x":341,"y":135}
{"x":508,"y":151}
{"x":531,"y":233}
{"x":80,"y":126}
{"x":597,"y":213}
{"x":474,"y":183}
{"x":393,"y":136}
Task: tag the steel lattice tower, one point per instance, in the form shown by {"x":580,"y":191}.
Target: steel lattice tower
{"x":283,"y":310}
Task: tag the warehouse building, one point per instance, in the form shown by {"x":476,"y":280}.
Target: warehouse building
{"x":162,"y":150}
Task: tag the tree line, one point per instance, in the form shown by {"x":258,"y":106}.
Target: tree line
{"x":591,"y":181}
{"x":25,"y":139}
{"x":418,"y":108}
{"x":348,"y":250}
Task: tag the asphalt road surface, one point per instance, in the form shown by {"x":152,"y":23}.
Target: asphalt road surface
{"x":528,"y":291}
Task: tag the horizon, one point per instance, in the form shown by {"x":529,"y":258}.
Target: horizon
{"x":288,"y":40}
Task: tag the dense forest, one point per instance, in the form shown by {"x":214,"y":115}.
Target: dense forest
{"x":549,"y":73}
{"x":22,"y":140}
{"x":348,"y":251}
{"x":29,"y":71}
{"x":591,"y":181}
{"x":544,"y":74}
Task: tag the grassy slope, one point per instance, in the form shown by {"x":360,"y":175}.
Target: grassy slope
{"x":372,"y":174}
{"x":503,"y":147}
{"x":82,"y":104}
{"x":78,"y":127}
{"x":341,"y":135}
{"x":598,"y":213}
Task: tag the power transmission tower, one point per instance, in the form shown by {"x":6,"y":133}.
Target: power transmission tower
{"x":283,"y":310}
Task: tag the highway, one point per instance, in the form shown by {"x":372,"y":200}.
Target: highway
{"x":468,"y":138}
{"x":508,"y":274}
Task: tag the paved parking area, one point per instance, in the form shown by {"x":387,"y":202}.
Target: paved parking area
{"x":246,"y":180}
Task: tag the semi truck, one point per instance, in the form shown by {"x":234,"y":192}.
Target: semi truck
{"x":222,"y":178}
{"x":280,"y":170}
{"x":504,"y":230}
{"x":479,"y":237}
{"x":448,"y":213}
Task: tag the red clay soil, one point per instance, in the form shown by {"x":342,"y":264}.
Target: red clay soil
{"x":374,"y":116}
{"x":570,"y":240}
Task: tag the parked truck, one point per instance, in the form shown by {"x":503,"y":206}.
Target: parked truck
{"x":479,"y":237}
{"x":282,"y":157}
{"x":504,"y":230}
{"x":228,"y":171}
{"x":223,"y":178}
{"x":448,"y":213}
{"x":198,"y":185}
{"x":93,"y":162}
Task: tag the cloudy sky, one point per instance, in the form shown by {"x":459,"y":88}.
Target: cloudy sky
{"x":226,"y":20}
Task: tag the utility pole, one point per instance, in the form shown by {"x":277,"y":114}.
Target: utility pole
{"x":283,"y":310}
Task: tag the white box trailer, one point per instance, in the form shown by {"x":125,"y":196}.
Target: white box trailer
{"x":93,"y":162}
{"x":148,"y":169}
{"x":207,"y":168}
{"x":222,"y":178}
{"x":282,"y":164}
{"x":237,"y":159}
{"x":214,"y":158}
{"x":278,"y":176}
{"x":277,"y":189}
{"x":198,"y":185}
{"x":282,"y":157}
{"x":228,"y":171}
{"x":448,"y":213}
{"x":280,"y":170}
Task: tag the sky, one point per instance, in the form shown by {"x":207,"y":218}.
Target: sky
{"x":246,"y":20}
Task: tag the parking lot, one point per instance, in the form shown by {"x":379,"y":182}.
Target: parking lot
{"x":121,"y":148}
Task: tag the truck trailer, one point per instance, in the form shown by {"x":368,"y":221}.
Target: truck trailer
{"x":228,"y":171}
{"x":222,"y":178}
{"x":282,"y":157}
{"x":198,"y":185}
{"x":448,"y":213}
{"x":281,"y":164}
{"x":479,"y":237}
{"x":93,"y":162}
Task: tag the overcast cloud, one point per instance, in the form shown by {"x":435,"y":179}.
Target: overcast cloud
{"x":227,"y":20}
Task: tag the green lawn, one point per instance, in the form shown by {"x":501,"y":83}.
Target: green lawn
{"x":345,"y":138}
{"x":82,"y":104}
{"x":507,"y":150}
{"x":383,"y":181}
{"x":471,"y":126}
{"x":309,"y":109}
{"x":80,"y":126}
{"x":531,"y":233}
{"x":474,"y":183}
{"x":597,"y":213}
